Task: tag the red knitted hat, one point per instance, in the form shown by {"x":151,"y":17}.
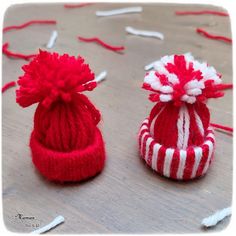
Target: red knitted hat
{"x":66,"y":144}
{"x":176,"y":140}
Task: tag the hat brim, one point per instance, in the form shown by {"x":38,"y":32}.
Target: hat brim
{"x":71,"y":166}
{"x":173,"y":162}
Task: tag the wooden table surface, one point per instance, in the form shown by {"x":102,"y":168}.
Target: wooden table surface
{"x":127,"y":197}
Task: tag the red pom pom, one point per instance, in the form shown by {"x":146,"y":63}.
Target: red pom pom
{"x":50,"y":77}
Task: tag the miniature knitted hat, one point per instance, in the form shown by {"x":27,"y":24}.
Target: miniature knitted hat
{"x":66,"y":144}
{"x":176,"y":140}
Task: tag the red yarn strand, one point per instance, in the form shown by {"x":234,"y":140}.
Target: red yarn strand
{"x":213,"y":36}
{"x":5,"y":47}
{"x":11,"y":54}
{"x":226,"y":128}
{"x":8,"y":85}
{"x":206,"y":12}
{"x":77,"y":5}
{"x":102,"y":43}
{"x":224,"y":86}
{"x":32,"y":22}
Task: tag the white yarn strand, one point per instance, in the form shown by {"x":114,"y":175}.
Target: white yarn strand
{"x":148,"y":142}
{"x":99,"y":78}
{"x":119,"y":11}
{"x":52,"y":39}
{"x":197,"y":159}
{"x":58,"y":220}
{"x":186,"y":127}
{"x":168,"y":160}
{"x":211,"y":147}
{"x":156,"y":149}
{"x":144,"y":33}
{"x":199,"y":123}
{"x":183,"y":124}
{"x":149,"y":66}
{"x":182,"y":161}
{"x":216,"y":217}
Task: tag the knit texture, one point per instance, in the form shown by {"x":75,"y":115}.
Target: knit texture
{"x":176,"y":140}
{"x":66,"y":144}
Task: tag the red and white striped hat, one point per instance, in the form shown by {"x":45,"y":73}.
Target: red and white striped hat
{"x":176,"y":140}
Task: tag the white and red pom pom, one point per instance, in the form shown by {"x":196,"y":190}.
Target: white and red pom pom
{"x":180,"y":78}
{"x":176,"y":140}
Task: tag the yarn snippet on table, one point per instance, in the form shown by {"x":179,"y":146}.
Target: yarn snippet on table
{"x":119,"y":11}
{"x":102,"y":43}
{"x":10,"y":54}
{"x":57,"y":221}
{"x":8,"y":85}
{"x":218,"y":216}
{"x":79,"y":5}
{"x":52,"y":39}
{"x":144,"y":33}
{"x":16,"y":55}
{"x":203,"y":12}
{"x":102,"y":76}
{"x":29,"y":23}
{"x":213,"y":36}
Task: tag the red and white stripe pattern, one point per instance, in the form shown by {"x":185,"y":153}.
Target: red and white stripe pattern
{"x":175,"y":163}
{"x":190,"y":122}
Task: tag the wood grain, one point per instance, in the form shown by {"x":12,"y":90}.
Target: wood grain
{"x":127,"y":197}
